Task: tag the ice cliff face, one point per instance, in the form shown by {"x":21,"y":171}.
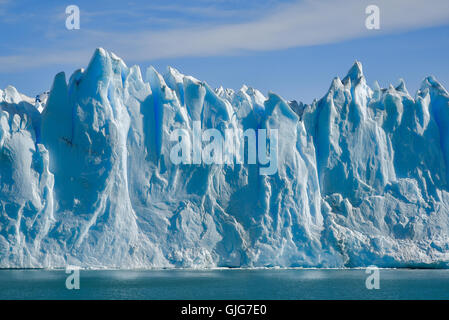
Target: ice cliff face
{"x":362,"y":175}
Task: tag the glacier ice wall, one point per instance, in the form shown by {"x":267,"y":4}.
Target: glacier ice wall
{"x":362,"y":175}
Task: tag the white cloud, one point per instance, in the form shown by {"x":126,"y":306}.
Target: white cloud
{"x":303,"y":23}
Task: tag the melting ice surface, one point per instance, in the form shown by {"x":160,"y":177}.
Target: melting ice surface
{"x":363,"y":175}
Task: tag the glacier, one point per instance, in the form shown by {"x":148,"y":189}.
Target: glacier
{"x":86,"y":177}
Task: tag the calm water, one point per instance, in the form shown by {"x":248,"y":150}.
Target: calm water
{"x":225,"y":284}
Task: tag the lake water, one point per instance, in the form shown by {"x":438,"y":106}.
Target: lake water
{"x":225,"y":284}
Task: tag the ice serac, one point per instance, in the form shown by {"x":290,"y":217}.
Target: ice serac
{"x":26,"y":184}
{"x":382,"y":173}
{"x":361,"y":175}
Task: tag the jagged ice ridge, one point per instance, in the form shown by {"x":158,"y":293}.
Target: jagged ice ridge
{"x":362,"y":175}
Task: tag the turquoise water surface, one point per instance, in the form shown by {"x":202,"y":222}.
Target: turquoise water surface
{"x":225,"y":284}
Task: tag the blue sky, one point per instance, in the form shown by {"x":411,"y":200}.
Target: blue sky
{"x":293,"y":48}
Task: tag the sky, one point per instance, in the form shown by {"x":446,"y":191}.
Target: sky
{"x":291,"y":47}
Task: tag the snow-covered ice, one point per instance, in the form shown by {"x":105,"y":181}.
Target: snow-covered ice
{"x":86,"y":177}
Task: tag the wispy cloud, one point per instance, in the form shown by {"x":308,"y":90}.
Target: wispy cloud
{"x":302,"y":23}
